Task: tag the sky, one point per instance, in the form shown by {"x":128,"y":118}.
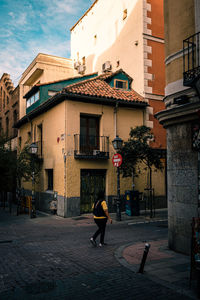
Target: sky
{"x":29,"y":27}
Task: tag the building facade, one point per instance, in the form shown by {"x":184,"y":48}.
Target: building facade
{"x":9,"y":110}
{"x":74,"y":130}
{"x":181,"y":118}
{"x":127,"y":34}
{"x":43,"y":68}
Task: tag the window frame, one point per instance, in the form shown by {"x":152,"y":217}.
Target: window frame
{"x":31,"y":100}
{"x":123,"y":81}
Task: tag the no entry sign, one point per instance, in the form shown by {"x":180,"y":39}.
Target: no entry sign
{"x":117,"y":160}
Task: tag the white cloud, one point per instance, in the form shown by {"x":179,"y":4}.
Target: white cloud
{"x":36,"y":26}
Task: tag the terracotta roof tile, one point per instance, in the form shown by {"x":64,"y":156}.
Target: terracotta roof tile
{"x":98,"y":87}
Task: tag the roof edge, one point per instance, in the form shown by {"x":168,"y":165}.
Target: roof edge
{"x":83,"y":15}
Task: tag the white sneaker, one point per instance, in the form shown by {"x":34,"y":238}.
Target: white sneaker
{"x":100,"y":245}
{"x":93,"y":242}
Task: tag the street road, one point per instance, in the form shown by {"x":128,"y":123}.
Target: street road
{"x":51,"y":258}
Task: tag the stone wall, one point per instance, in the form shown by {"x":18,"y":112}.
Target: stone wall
{"x":182,"y":170}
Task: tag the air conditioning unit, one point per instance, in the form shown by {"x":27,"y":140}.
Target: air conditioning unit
{"x":81,"y":69}
{"x":107,"y":66}
{"x":96,"y":152}
{"x":76,"y":65}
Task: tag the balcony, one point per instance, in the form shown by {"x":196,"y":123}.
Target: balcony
{"x":191,"y":60}
{"x":91,"y":147}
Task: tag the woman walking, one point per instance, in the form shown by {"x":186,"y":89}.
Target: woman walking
{"x":101,"y":215}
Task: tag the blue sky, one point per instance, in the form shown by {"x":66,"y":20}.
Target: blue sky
{"x":29,"y":27}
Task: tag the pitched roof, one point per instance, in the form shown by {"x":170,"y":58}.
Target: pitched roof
{"x":98,"y":87}
{"x":94,"y":90}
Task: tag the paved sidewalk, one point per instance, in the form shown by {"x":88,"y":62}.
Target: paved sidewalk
{"x":163,"y":265}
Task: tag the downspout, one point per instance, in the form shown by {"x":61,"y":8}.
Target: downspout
{"x":65,"y":161}
{"x":115,"y":117}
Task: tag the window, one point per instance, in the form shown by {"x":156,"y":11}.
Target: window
{"x":4,"y":99}
{"x":121,"y":84}
{"x":7,"y":99}
{"x":15,"y":116}
{"x":7,"y":127}
{"x":95,"y":39}
{"x":29,"y":136}
{"x":124,"y":14}
{"x":89,"y":133}
{"x":49,"y":179}
{"x":32,"y":99}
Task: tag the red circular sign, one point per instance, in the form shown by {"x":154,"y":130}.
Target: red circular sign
{"x":117,"y":160}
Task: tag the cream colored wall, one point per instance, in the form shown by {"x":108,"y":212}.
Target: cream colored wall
{"x":125,"y":119}
{"x":65,"y":117}
{"x":116,"y":38}
{"x":53,"y":128}
{"x":49,"y":68}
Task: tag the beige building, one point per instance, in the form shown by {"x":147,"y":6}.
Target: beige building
{"x":74,"y":130}
{"x":127,"y":34}
{"x":181,"y":117}
{"x":43,"y":68}
{"x":9,"y":110}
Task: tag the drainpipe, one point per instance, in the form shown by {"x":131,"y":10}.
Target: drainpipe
{"x":65,"y":160}
{"x":115,"y":118}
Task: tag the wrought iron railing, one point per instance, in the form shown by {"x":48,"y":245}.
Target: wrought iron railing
{"x":91,"y":146}
{"x":191,"y":59}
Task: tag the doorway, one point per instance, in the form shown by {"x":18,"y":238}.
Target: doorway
{"x":92,"y":181}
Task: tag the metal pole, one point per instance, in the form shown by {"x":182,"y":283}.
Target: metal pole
{"x":33,"y":214}
{"x":118,"y":215}
{"x":146,"y":251}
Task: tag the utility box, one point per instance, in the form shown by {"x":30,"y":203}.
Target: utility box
{"x":132,"y":203}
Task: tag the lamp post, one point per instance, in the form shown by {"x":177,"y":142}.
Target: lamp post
{"x":33,"y":150}
{"x":117,"y":145}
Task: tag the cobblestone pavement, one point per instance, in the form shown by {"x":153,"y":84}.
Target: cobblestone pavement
{"x":51,"y":258}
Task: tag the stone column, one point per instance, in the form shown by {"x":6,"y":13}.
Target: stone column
{"x":182,"y":174}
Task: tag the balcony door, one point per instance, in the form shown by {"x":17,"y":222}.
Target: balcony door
{"x":92,"y":181}
{"x":89,"y":134}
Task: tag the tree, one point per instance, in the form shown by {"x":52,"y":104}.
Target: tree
{"x":27,"y":163}
{"x":7,"y":167}
{"x":15,"y":168}
{"x":137,"y":152}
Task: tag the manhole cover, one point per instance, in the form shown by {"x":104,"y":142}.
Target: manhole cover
{"x":40,"y":287}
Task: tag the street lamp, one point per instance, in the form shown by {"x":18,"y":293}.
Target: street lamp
{"x":33,"y":150}
{"x":117,"y":145}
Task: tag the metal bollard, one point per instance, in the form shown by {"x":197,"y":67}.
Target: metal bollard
{"x":146,"y":251}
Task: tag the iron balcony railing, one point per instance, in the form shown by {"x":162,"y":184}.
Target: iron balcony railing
{"x":91,"y":146}
{"x":191,"y":59}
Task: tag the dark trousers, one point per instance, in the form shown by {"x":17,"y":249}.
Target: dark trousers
{"x":101,"y":223}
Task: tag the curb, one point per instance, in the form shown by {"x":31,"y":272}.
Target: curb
{"x":118,"y":254}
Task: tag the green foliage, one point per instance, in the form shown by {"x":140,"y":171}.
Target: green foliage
{"x":7,"y":167}
{"x":26,"y":163}
{"x":137,"y":150}
{"x":15,"y":168}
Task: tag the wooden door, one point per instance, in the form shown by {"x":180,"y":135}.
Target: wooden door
{"x":92,"y":181}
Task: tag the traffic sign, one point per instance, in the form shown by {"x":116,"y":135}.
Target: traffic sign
{"x":117,"y":160}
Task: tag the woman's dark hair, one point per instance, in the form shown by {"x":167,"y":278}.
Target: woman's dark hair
{"x":100,"y":195}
